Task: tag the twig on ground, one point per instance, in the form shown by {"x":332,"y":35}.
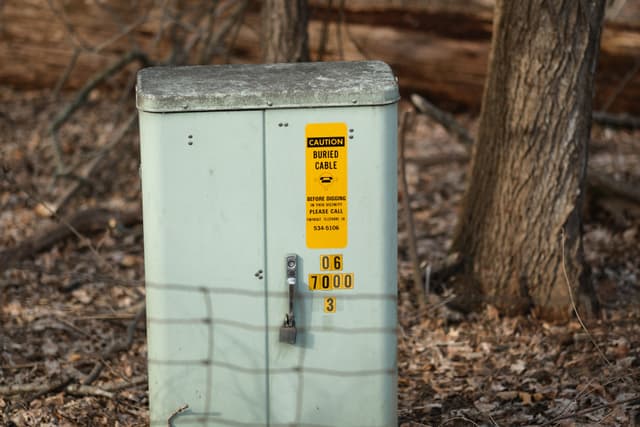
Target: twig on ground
{"x":635,"y":399}
{"x":433,"y":308}
{"x":176,"y":413}
{"x":45,"y":240}
{"x":71,"y":374}
{"x":462,"y":418}
{"x":87,"y":390}
{"x":115,"y":347}
{"x":573,"y":303}
{"x":406,"y":207}
{"x":107,"y":390}
{"x":40,"y":388}
{"x":87,"y":221}
{"x":117,"y":386}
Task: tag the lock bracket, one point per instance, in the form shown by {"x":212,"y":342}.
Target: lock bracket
{"x":288,"y":330}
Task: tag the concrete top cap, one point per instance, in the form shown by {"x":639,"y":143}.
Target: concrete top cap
{"x":265,"y":86}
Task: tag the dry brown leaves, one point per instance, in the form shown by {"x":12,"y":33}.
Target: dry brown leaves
{"x":487,"y":370}
{"x":61,"y":309}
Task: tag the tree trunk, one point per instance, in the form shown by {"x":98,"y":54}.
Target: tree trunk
{"x":284,"y":31}
{"x":520,"y":229}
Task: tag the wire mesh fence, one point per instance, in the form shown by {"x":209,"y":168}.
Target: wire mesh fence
{"x":204,"y":357}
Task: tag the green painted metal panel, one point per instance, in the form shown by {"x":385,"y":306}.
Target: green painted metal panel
{"x":342,"y":370}
{"x":203,"y":209}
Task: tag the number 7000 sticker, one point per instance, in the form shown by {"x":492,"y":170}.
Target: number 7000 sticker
{"x":330,"y":281}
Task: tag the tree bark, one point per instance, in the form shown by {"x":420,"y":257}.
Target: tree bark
{"x":284,"y":31}
{"x":520,"y":228}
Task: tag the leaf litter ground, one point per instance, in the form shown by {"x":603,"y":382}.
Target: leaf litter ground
{"x":65,"y":308}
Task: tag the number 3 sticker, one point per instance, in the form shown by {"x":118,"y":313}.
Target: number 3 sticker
{"x":330,"y":305}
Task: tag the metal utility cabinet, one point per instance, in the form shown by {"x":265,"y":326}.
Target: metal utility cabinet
{"x":269,"y":195}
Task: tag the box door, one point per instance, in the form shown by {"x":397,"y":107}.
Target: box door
{"x":203,"y":198}
{"x":342,"y":369}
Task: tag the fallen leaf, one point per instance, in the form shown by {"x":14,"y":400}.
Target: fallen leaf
{"x":74,"y":357}
{"x":49,"y":348}
{"x":518,"y":367}
{"x":525,"y":397}
{"x":45,"y":210}
{"x":507,"y":395}
{"x":82,"y":295}
{"x":130,"y":260}
{"x":492,"y":312}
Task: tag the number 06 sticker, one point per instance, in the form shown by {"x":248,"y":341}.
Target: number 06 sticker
{"x":330,"y":305}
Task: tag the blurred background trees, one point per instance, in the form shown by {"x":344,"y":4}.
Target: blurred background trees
{"x":438,"y":48}
{"x":284,"y":31}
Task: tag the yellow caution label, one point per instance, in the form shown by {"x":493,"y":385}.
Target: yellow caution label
{"x":326,"y":176}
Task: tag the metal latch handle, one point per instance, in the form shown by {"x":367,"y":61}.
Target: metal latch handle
{"x":288,"y":329}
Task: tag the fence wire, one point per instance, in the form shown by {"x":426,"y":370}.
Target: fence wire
{"x":302,"y":370}
{"x":208,"y":296}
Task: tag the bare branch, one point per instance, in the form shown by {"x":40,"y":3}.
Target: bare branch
{"x":324,"y":32}
{"x":341,"y":20}
{"x":67,"y":72}
{"x":76,"y":41}
{"x":445,"y":119}
{"x":630,"y":401}
{"x":80,"y":98}
{"x":624,"y":121}
{"x":605,"y":185}
{"x":124,"y":384}
{"x":406,"y":207}
{"x":116,"y":347}
{"x":107,"y":390}
{"x":233,"y":21}
{"x":114,"y":138}
{"x":40,"y":388}
{"x":623,"y":83}
{"x":86,"y":221}
{"x":87,"y":390}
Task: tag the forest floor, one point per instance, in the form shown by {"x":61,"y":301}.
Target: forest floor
{"x":72,"y":342}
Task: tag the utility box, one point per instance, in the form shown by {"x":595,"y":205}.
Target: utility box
{"x":269,"y":198}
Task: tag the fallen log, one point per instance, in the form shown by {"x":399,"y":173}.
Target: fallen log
{"x":437,"y":48}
